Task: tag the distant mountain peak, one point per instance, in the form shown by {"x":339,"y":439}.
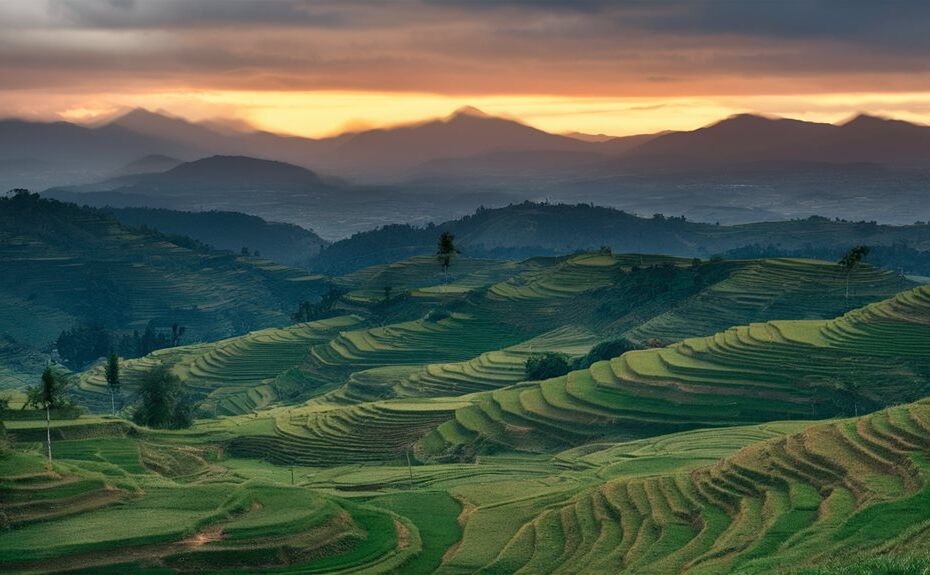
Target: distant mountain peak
{"x":863,"y":120}
{"x":468,"y":112}
{"x":143,"y":114}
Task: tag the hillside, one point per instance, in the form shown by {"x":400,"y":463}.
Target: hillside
{"x":65,"y":265}
{"x":533,"y":229}
{"x":283,"y":243}
{"x":431,"y":364}
{"x":866,"y":359}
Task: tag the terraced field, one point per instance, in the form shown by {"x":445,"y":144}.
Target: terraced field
{"x":90,"y":518}
{"x":850,"y":487}
{"x":423,"y":274}
{"x":644,"y":297}
{"x":759,"y":499}
{"x":863,"y":360}
{"x":231,"y":376}
{"x":760,"y":290}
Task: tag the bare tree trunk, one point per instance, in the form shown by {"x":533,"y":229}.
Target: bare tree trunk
{"x":112,"y":402}
{"x":48,"y":432}
{"x":409,"y":466}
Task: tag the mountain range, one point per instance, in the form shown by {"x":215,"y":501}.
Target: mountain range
{"x":742,"y":169}
{"x":467,"y":141}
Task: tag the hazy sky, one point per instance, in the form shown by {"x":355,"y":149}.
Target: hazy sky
{"x":316,"y":67}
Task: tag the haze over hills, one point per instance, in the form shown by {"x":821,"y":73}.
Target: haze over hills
{"x":742,"y":169}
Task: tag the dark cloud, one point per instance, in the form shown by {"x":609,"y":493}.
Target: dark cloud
{"x":595,"y":47}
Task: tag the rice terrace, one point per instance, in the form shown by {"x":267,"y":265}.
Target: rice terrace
{"x":276,"y":296}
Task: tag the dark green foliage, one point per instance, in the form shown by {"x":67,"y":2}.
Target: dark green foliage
{"x":111,"y":372}
{"x":163,"y":402}
{"x":854,"y":257}
{"x":603,"y":351}
{"x":50,"y":393}
{"x":83,"y":344}
{"x":307,"y":311}
{"x":445,"y":250}
{"x":547,"y":365}
{"x":152,"y":339}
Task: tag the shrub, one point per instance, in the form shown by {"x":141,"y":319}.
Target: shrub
{"x":547,"y":365}
{"x":605,"y":350}
{"x":164,"y":404}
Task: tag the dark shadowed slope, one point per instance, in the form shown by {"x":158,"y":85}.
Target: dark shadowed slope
{"x":530,"y":229}
{"x":283,"y":243}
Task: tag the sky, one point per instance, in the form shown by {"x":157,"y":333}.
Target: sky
{"x":319,"y":67}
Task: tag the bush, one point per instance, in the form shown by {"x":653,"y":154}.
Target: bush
{"x":547,"y":365}
{"x":605,"y":350}
{"x":164,"y":403}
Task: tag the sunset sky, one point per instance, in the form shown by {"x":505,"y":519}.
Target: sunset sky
{"x":319,"y":67}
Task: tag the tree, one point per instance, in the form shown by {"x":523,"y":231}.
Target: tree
{"x":112,"y":374}
{"x":546,"y":365}
{"x":605,"y":350}
{"x":164,"y":405}
{"x":850,"y":261}
{"x":444,"y":252}
{"x":177,"y":332}
{"x":50,"y":394}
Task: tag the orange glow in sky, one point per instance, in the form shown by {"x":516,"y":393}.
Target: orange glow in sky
{"x":316,"y":114}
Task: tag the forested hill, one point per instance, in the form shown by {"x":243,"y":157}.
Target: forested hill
{"x":64,"y":265}
{"x":531,"y":229}
{"x":284,"y":243}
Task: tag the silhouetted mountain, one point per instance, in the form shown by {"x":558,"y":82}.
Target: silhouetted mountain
{"x":467,"y":132}
{"x":69,"y":145}
{"x":236,"y":172}
{"x":746,"y":138}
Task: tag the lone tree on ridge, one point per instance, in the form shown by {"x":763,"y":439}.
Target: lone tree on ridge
{"x":850,"y":261}
{"x":444,"y":252}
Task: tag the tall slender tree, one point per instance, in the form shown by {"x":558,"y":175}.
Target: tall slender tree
{"x":446,"y":249}
{"x":850,"y":261}
{"x":113,"y":382}
{"x":49,"y":395}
